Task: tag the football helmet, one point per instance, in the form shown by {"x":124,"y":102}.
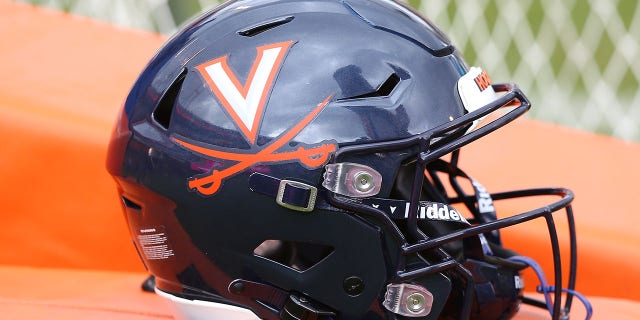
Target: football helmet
{"x":298,"y":159}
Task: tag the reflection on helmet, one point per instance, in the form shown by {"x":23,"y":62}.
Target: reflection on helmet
{"x":297,"y":159}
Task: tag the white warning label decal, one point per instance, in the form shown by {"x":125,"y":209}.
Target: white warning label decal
{"x":154,"y":243}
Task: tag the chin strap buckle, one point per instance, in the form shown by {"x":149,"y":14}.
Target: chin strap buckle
{"x":408,"y":300}
{"x":296,"y":195}
{"x":290,"y":194}
{"x":300,"y":308}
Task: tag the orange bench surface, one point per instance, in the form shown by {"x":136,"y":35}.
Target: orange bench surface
{"x":65,"y":251}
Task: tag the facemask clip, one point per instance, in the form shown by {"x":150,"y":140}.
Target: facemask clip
{"x":408,"y":300}
{"x":352,"y":180}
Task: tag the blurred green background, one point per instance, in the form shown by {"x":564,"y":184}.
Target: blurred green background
{"x":577,"y":60}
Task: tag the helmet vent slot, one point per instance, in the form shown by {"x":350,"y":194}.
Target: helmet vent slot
{"x":130,"y":204}
{"x":384,"y":90}
{"x":300,"y":256}
{"x":162,"y":113}
{"x":264,"y":26}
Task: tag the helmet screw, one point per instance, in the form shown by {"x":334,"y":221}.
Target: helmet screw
{"x":353,"y":286}
{"x":415,"y":302}
{"x":236,"y":287}
{"x":363,"y":181}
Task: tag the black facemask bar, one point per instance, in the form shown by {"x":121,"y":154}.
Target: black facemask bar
{"x":435,"y":144}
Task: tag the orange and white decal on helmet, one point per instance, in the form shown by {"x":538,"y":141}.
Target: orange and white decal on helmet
{"x":475,"y":91}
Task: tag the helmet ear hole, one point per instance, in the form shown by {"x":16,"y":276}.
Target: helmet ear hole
{"x":296,"y":255}
{"x":275,"y":250}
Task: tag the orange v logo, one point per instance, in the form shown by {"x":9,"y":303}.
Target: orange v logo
{"x":245,"y":103}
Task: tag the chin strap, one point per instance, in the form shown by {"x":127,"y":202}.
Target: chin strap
{"x":480,"y":203}
{"x":546,"y":289}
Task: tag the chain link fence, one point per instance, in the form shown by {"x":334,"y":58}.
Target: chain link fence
{"x":577,"y":60}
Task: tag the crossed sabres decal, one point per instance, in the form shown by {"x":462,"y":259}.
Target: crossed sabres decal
{"x":245,"y":104}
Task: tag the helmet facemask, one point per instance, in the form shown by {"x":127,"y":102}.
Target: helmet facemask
{"x":463,"y":250}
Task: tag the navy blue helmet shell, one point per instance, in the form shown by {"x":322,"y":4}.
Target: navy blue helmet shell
{"x":285,"y":158}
